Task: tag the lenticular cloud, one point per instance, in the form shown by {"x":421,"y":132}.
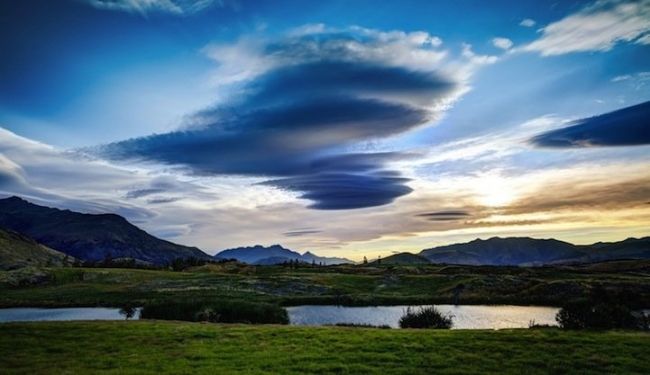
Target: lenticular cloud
{"x":300,"y":102}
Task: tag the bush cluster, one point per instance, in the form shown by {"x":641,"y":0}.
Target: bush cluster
{"x":425,"y":317}
{"x":224,"y":311}
{"x":601,"y":310}
{"x":588,"y":315}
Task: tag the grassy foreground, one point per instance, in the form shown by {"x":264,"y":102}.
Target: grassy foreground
{"x":156,"y":347}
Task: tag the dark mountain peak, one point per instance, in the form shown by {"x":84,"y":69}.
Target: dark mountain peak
{"x":534,"y":251}
{"x":497,"y":240}
{"x":503,"y":251}
{"x":14,"y":201}
{"x":403,"y":258}
{"x":252,"y":254}
{"x":630,"y":239}
{"x":90,"y":237}
{"x":259,"y":247}
{"x":274,"y":254}
{"x":14,"y":198}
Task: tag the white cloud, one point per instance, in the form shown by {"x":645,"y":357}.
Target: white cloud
{"x":527,"y":22}
{"x":477,"y":60}
{"x":59,"y":178}
{"x":179,"y":7}
{"x":637,"y":81}
{"x":503,"y":43}
{"x":598,"y":27}
{"x":248,"y":58}
{"x":620,"y":78}
{"x":644,"y":39}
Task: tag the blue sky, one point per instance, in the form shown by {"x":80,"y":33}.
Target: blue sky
{"x":256,"y":117}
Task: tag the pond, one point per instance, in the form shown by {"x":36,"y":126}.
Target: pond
{"x":26,"y":314}
{"x":464,"y":316}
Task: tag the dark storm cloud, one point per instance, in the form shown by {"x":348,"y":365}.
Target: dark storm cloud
{"x":302,"y":232}
{"x":158,"y":185}
{"x":315,"y":79}
{"x":625,"y":127}
{"x":142,"y":193}
{"x":281,"y":141}
{"x":444,"y":215}
{"x":294,"y":121}
{"x":162,"y":200}
{"x":336,"y":191}
{"x":357,"y":162}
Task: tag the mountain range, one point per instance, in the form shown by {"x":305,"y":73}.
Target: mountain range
{"x":89,"y":237}
{"x":275,"y":254}
{"x":33,"y":234}
{"x":525,"y":251}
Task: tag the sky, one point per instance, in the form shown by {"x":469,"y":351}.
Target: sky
{"x":345,"y":128}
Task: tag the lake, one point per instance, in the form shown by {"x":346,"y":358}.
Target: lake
{"x":464,"y":316}
{"x":25,"y":314}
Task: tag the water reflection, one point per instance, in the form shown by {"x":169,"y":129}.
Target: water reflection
{"x":29,"y":314}
{"x":465,"y":316}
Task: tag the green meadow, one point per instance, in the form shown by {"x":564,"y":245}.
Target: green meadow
{"x":154,"y":347}
{"x":346,"y":285}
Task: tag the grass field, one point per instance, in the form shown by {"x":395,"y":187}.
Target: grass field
{"x":349,"y":285}
{"x":154,"y":347}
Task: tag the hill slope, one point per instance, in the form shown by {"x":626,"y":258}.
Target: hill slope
{"x":631,"y":248}
{"x":88,"y":236}
{"x":18,"y":251}
{"x":404,"y":258}
{"x":514,"y":251}
{"x":523,"y":251}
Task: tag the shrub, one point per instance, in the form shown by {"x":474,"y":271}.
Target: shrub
{"x":425,"y":317}
{"x":224,"y":311}
{"x":585,"y":315}
{"x":128,"y":311}
{"x":644,"y":321}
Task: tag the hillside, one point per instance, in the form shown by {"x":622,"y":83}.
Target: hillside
{"x":404,"y":258}
{"x":631,"y":248}
{"x":89,"y":237}
{"x":525,"y":251}
{"x":254,"y":254}
{"x":17,"y":250}
{"x":275,"y":254}
{"x":496,"y":251}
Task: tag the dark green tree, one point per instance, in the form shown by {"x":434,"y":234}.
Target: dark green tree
{"x":128,"y":311}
